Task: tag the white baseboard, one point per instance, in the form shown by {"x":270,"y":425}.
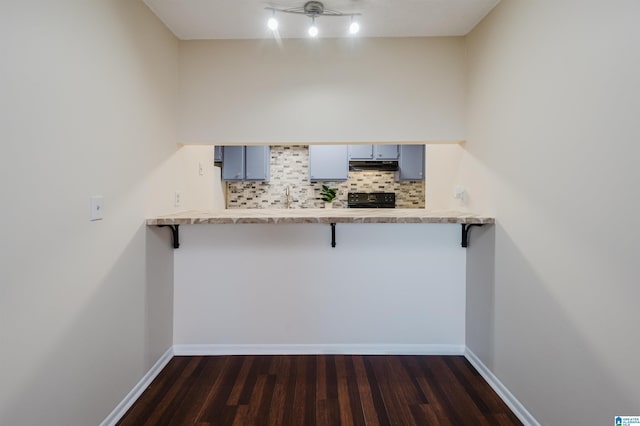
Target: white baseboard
{"x":137,"y":390}
{"x":512,"y":402}
{"x":315,"y":349}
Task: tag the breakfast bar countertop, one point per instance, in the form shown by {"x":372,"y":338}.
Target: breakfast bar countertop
{"x":339,"y":215}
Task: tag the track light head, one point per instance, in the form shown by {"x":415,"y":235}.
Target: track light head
{"x":313,"y":30}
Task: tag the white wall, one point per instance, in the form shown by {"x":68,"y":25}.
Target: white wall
{"x":203,"y":180}
{"x":442,"y":164}
{"x":554,"y":103}
{"x":329,"y":90}
{"x":189,"y":170}
{"x":384,"y":284}
{"x":87,"y":108}
{"x":336,"y":91}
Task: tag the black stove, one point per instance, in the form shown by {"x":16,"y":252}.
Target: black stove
{"x":372,"y":200}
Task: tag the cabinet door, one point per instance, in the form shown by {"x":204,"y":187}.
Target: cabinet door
{"x":411,"y":162}
{"x":328,"y":162}
{"x":385,"y":152}
{"x":257,"y":163}
{"x":360,"y":152}
{"x":233,"y":165}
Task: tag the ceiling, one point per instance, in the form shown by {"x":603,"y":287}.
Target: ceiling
{"x":246,"y":19}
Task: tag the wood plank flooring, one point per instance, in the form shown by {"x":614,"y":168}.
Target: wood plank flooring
{"x":318,"y":390}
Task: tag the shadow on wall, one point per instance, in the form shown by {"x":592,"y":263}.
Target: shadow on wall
{"x":480,"y":292}
{"x":527,"y":338}
{"x":159,"y":293}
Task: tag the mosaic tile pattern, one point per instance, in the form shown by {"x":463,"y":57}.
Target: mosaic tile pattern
{"x":290,"y":169}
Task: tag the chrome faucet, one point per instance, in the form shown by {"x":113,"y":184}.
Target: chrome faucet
{"x":287,"y":193}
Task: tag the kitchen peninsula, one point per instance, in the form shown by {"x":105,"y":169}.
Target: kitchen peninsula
{"x":331,"y":216}
{"x":268,"y":280}
{"x":257,"y":277}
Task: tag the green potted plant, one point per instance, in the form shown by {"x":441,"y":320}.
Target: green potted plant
{"x":328,"y":195}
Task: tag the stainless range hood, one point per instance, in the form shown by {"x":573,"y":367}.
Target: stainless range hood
{"x":390,"y":166}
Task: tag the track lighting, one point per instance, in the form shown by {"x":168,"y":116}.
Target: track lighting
{"x":272,"y":23}
{"x":354,"y":27}
{"x":313,"y":30}
{"x":313,"y":9}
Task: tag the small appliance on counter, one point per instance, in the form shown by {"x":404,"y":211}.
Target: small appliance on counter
{"x":371,"y":200}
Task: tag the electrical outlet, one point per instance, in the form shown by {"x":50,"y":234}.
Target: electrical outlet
{"x":459,"y":193}
{"x":96,"y":207}
{"x":177,"y":199}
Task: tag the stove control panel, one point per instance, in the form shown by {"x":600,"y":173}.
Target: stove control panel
{"x":372,"y":200}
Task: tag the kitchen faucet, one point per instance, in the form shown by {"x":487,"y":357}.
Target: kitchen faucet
{"x":287,"y":192}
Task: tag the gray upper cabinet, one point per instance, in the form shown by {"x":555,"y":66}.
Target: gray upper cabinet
{"x":373,"y":152}
{"x":385,"y":152}
{"x":245,"y":163}
{"x":233,"y":164}
{"x":411,"y":162}
{"x":257,"y":162}
{"x":328,"y":162}
{"x":360,"y":152}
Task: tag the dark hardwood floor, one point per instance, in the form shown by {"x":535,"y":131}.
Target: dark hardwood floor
{"x":319,"y":390}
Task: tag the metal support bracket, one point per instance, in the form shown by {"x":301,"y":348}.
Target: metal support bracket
{"x":333,"y":235}
{"x":466,"y":227}
{"x":175,"y":234}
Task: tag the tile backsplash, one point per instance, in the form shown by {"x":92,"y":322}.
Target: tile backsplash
{"x":290,"y":168}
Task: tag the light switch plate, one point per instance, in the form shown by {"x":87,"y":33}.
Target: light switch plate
{"x":96,"y":211}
